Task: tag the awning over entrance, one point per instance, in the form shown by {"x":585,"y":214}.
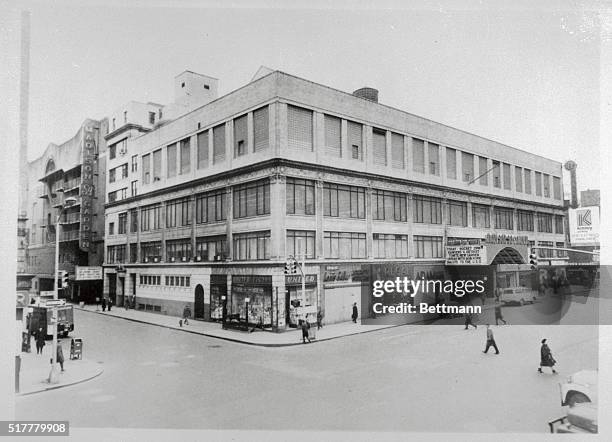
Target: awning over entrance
{"x":508,"y":255}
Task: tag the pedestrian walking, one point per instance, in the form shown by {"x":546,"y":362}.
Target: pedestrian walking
{"x":110,"y":304}
{"x":40,"y":341}
{"x":186,"y":315}
{"x":546,"y":357}
{"x":103,"y":304}
{"x":59,"y":357}
{"x":126,"y":303}
{"x":490,"y":341}
{"x":498,"y":314}
{"x":319,"y":319}
{"x":468,"y":321}
{"x":355,"y":314}
{"x":305,"y":328}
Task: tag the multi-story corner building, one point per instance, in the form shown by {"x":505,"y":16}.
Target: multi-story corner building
{"x":74,"y":169}
{"x":219,"y":197}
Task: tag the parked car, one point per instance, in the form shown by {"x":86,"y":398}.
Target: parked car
{"x":580,"y":387}
{"x":580,"y":419}
{"x":519,"y":295}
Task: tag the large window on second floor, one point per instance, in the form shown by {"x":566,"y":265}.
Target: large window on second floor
{"x":343,"y":201}
{"x":178,"y":213}
{"x":457,"y":213}
{"x":301,"y":242}
{"x":252,"y":199}
{"x":211,"y":248}
{"x":545,"y":222}
{"x":427,"y":210}
{"x":390,"y":245}
{"x":389,"y":206}
{"x":178,"y":249}
{"x":300,"y":196}
{"x":251,"y":246}
{"x":116,"y":254}
{"x":150,"y":218}
{"x":210,"y":207}
{"x":504,"y":218}
{"x":344,"y":245}
{"x":525,"y":221}
{"x":428,"y":246}
{"x":150,"y":250}
{"x":481,"y":216}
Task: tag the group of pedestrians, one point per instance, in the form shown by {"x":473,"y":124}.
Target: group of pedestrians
{"x":106,"y":302}
{"x":546,"y":357}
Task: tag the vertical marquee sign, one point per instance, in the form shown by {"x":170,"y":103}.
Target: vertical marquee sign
{"x":87,"y":185}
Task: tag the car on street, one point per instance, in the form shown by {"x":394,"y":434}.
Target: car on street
{"x":517,"y":295}
{"x":580,"y":387}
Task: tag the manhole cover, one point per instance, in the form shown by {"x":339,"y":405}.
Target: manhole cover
{"x":214,"y":346}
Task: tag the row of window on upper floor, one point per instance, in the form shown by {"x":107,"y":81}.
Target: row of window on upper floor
{"x":256,"y":246}
{"x":341,"y":201}
{"x":211,"y":149}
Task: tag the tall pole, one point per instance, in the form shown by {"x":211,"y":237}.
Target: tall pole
{"x":53,"y":375}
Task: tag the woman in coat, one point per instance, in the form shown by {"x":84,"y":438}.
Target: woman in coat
{"x":546,"y":357}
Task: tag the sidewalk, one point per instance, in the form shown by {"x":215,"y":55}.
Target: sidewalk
{"x":257,"y":337}
{"x":35,"y":369}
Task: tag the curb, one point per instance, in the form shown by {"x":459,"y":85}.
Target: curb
{"x":238,"y":341}
{"x":55,"y":387}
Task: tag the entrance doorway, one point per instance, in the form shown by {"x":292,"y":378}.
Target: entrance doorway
{"x":112,"y":287}
{"x":198,"y":309}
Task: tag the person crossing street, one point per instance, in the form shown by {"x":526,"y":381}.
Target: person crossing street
{"x":490,"y":341}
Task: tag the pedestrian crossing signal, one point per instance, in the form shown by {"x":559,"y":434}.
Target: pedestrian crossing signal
{"x":533,"y":259}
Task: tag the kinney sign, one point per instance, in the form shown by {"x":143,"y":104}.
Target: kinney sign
{"x":584,"y":226}
{"x":87,"y":185}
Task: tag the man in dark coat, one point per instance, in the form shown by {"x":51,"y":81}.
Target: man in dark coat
{"x":319,"y":319}
{"x":305,"y":327}
{"x":110,"y":304}
{"x":40,"y":340}
{"x":498,"y":314}
{"x":490,"y":341}
{"x":468,"y":321}
{"x":546,"y":357}
{"x":355,"y":313}
{"x":103,"y":304}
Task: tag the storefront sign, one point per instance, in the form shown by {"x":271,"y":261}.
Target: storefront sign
{"x":252,"y":280}
{"x":506,"y":239}
{"x":90,"y":273}
{"x":297,"y":280}
{"x":584,"y":226}
{"x":467,"y":254}
{"x":87,"y":186}
{"x":345,"y":274}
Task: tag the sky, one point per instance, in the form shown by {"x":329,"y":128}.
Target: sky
{"x":525,"y":76}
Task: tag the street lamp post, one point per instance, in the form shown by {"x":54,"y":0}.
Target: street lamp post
{"x":53,"y":375}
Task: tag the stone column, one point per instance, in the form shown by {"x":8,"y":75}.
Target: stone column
{"x":277,"y":217}
{"x":319,"y":235}
{"x":369,"y":223}
{"x":229,"y":213}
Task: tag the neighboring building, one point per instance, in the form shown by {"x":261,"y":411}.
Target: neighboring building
{"x":75,"y":169}
{"x":225,"y":193}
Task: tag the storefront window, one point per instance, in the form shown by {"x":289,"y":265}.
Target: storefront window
{"x":258,"y":289}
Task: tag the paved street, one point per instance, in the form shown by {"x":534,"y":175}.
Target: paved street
{"x":410,"y":378}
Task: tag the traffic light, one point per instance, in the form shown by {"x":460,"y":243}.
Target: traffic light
{"x":533,"y":258}
{"x":64,"y":279}
{"x":290,"y":267}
